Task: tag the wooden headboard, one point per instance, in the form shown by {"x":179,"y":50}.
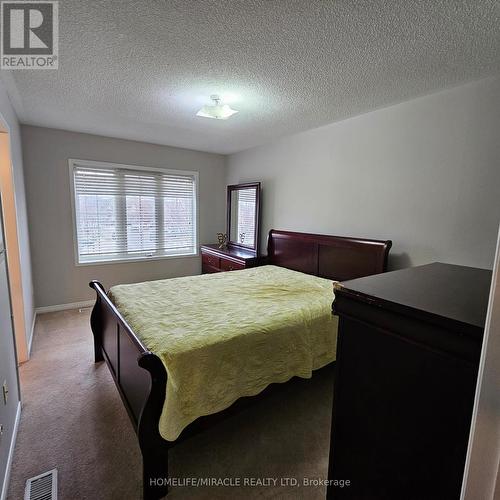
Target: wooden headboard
{"x":333,"y":257}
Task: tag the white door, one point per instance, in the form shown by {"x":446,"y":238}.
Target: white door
{"x":481,"y":477}
{"x":9,"y":382}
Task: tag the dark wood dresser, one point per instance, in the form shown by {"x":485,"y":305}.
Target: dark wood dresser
{"x":215,"y":259}
{"x":407,"y":360}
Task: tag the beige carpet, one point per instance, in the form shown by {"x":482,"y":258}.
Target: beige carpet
{"x":74,"y":420}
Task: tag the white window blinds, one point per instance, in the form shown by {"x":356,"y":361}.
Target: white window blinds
{"x":126,"y":213}
{"x":246,"y":216}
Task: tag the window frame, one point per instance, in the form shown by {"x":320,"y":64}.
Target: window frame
{"x":104,"y":164}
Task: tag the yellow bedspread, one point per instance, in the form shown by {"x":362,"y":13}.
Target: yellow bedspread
{"x":228,"y":335}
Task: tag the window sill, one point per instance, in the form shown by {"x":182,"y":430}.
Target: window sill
{"x":136,"y":259}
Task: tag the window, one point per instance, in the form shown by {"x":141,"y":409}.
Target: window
{"x":246,"y":216}
{"x":127,"y":213}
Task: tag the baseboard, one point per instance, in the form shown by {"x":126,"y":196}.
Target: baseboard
{"x":65,"y":307}
{"x":5,"y":486}
{"x":30,"y":340}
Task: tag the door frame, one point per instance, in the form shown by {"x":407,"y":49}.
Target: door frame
{"x":11,"y":243}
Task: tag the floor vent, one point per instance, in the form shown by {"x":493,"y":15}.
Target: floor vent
{"x":42,"y":487}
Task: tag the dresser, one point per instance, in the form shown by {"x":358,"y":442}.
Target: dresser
{"x":215,"y":259}
{"x":409,"y":344}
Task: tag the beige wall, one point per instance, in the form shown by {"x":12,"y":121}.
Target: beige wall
{"x":425,"y":173}
{"x":46,"y":151}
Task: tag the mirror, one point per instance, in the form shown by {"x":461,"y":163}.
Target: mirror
{"x":243,"y":206}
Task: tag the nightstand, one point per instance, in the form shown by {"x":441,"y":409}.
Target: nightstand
{"x":215,"y":259}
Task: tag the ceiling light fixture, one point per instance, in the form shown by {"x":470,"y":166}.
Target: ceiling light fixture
{"x":216,"y":110}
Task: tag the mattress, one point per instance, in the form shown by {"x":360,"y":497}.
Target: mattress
{"x":228,"y":335}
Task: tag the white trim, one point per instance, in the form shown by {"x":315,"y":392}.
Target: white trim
{"x":64,"y":307}
{"x":5,"y":485}
{"x":104,"y":164}
{"x":30,"y":340}
{"x":71,"y":164}
{"x":136,"y":259}
{"x":111,"y":165}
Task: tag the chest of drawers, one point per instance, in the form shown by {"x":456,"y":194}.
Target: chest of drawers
{"x":409,"y":344}
{"x":215,"y":259}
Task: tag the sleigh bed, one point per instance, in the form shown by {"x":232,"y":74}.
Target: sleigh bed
{"x":141,"y":375}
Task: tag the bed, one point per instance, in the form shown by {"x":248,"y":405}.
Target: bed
{"x":187,"y":352}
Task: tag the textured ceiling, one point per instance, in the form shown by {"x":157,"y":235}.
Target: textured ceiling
{"x":141,"y":69}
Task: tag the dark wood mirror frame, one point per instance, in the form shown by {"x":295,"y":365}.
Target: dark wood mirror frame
{"x":238,"y":187}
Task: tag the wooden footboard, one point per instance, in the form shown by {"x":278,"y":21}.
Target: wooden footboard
{"x":141,"y":379}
